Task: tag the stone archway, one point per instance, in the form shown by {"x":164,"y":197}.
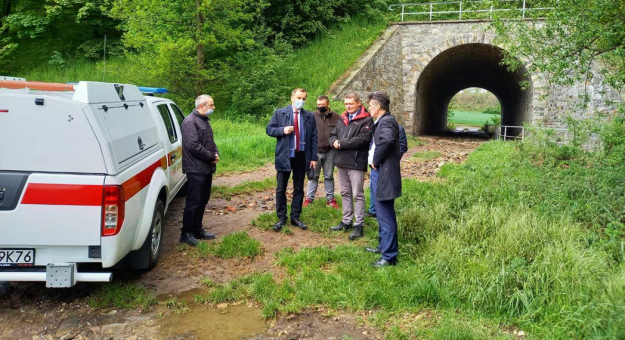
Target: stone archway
{"x":461,"y":67}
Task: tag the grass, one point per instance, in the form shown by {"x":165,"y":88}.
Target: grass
{"x":242,"y":146}
{"x":414,"y":141}
{"x":247,"y":187}
{"x":525,"y":236}
{"x":470,"y":118}
{"x":236,"y":245}
{"x":425,"y":156}
{"x":122,"y":295}
{"x":318,"y":217}
{"x":323,"y":60}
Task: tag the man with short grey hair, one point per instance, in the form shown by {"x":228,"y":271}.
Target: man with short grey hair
{"x":199,"y":162}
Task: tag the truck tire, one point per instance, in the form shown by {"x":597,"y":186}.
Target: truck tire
{"x":4,"y":287}
{"x":155,"y":236}
{"x":147,"y":256}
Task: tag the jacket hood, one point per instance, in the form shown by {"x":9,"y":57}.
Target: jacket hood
{"x":363,"y":114}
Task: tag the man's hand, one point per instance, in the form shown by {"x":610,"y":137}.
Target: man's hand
{"x":336,"y":144}
{"x":313,"y":164}
{"x":288,"y":130}
{"x":373,"y":167}
{"x":216,"y":159}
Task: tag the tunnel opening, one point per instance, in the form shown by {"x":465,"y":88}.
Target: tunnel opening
{"x":469,"y":66}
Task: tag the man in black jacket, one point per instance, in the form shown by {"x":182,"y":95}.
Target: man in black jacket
{"x":351,"y":138}
{"x":384,"y":158}
{"x":199,"y":162}
{"x":296,"y":150}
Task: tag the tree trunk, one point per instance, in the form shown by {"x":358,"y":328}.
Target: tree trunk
{"x":201,"y":50}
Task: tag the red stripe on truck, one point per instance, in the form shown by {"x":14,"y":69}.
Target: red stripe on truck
{"x":86,"y":195}
{"x":63,"y":194}
{"x":142,"y":179}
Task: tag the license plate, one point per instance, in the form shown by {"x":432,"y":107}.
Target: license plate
{"x":17,"y":257}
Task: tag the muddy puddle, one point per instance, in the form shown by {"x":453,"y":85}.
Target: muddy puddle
{"x":197,"y":321}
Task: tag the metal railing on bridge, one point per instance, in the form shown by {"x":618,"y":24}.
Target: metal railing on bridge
{"x":467,"y":10}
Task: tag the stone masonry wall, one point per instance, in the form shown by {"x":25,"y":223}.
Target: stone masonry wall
{"x":396,"y":60}
{"x":378,"y":71}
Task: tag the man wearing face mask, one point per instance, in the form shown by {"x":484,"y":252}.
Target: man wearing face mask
{"x":326,"y":121}
{"x":199,"y":162}
{"x":296,"y":150}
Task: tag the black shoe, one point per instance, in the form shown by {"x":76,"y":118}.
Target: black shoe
{"x":278,"y":226}
{"x":188,"y":238}
{"x":297,"y":223}
{"x":357,"y":233}
{"x":384,"y":263}
{"x":203,"y":235}
{"x":341,"y":227}
{"x":368,"y":214}
{"x":373,"y":250}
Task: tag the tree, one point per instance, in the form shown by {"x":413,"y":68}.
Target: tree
{"x":185,"y":43}
{"x":35,"y":31}
{"x":574,"y":40}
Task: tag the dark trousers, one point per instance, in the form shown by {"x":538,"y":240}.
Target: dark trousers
{"x":198,"y":194}
{"x":388,"y":229}
{"x":298,"y":167}
{"x":373,"y":188}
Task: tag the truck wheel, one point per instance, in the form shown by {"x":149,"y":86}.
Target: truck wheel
{"x":4,"y":287}
{"x":155,"y":236}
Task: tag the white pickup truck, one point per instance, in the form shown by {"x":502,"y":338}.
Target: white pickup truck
{"x":87,"y":172}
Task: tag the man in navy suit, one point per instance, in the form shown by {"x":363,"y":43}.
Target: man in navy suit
{"x":296,"y":151}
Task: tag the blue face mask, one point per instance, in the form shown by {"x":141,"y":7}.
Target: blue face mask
{"x":210,"y":112}
{"x":299,"y":103}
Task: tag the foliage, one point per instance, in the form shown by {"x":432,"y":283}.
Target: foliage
{"x":34,"y":31}
{"x":236,"y":245}
{"x":471,"y":118}
{"x":493,"y":110}
{"x":575,"y":42}
{"x":122,"y":295}
{"x":526,"y":235}
{"x":425,"y":156}
{"x":473,"y":100}
{"x":302,"y":20}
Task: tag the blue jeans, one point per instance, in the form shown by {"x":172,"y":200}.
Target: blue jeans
{"x":388,"y":229}
{"x":373,"y":186}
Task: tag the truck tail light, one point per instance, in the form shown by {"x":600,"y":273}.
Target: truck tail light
{"x":113,"y":210}
{"x":4,"y":110}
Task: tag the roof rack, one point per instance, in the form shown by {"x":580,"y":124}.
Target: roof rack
{"x":35,"y":85}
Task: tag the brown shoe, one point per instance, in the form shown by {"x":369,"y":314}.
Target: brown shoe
{"x":332,"y":203}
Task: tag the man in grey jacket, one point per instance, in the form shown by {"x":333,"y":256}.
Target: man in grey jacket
{"x":199,"y":162}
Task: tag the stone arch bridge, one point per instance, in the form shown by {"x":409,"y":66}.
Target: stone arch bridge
{"x":422,"y":65}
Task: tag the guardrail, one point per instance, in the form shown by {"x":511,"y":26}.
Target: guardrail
{"x":432,"y":11}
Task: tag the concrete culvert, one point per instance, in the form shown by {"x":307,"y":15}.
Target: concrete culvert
{"x":462,"y":67}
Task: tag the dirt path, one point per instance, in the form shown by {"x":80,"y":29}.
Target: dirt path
{"x":30,"y":312}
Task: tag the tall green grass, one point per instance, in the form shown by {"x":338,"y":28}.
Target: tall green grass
{"x":526,"y":236}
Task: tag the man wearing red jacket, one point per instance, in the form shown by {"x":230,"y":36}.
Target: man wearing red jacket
{"x":351,"y":138}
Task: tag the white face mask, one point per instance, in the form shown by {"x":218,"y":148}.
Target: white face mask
{"x":299,"y":103}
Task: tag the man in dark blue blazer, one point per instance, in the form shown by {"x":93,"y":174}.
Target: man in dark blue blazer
{"x":384,"y":158}
{"x":296,"y":151}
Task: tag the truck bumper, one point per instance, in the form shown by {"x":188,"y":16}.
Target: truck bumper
{"x":57,"y":275}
